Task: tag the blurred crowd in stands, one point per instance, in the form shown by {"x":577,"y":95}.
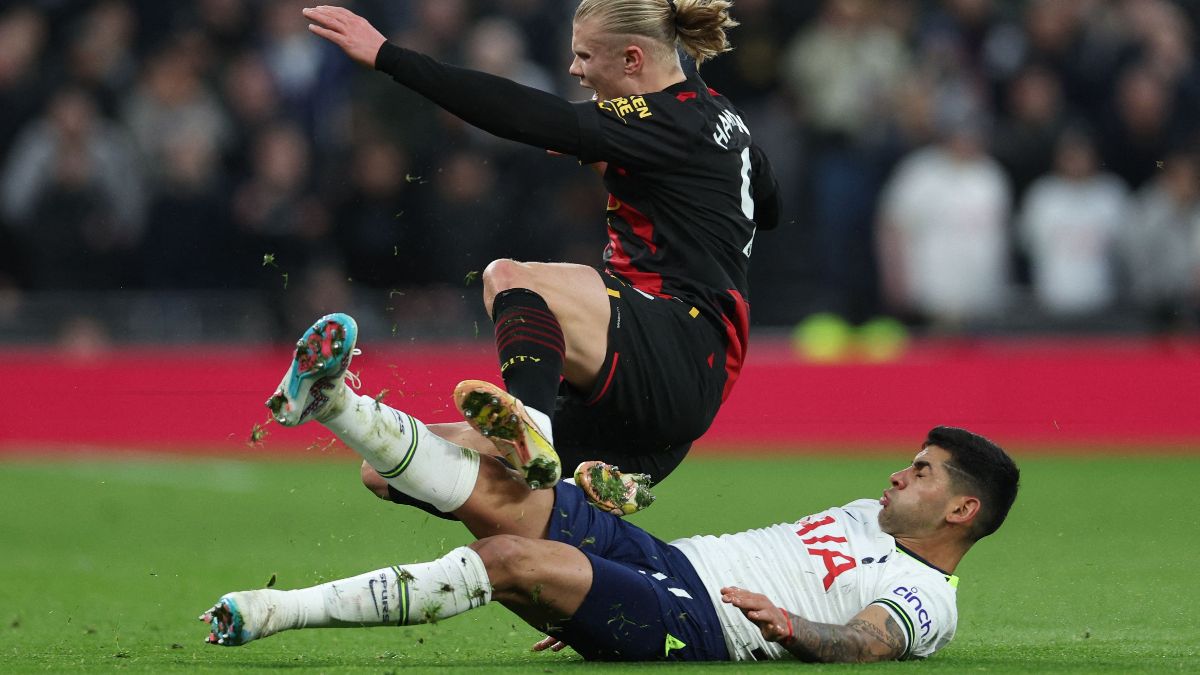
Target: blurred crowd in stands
{"x":953,"y":163}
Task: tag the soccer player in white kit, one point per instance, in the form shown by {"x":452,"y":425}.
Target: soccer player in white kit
{"x":872,"y":580}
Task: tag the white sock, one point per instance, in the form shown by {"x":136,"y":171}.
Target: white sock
{"x":404,"y":452}
{"x":542,"y":420}
{"x":402,"y":595}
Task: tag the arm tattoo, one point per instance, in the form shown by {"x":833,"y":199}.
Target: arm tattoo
{"x":857,"y":642}
{"x":893,"y":638}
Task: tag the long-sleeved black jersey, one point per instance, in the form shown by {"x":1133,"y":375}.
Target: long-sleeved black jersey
{"x":687,"y":186}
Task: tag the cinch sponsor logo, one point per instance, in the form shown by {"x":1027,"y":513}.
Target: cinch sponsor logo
{"x":910,"y":596}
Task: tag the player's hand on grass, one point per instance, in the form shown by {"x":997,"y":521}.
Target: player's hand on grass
{"x":354,"y":34}
{"x":771,"y":620}
{"x":553,"y":644}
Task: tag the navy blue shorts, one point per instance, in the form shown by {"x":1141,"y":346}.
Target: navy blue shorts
{"x":646,"y":602}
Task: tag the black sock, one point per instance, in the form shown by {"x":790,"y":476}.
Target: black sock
{"x":529,"y":342}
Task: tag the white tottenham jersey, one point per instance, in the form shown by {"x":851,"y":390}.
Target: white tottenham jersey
{"x":826,"y":567}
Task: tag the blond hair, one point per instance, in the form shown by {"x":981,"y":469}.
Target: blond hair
{"x":697,"y":26}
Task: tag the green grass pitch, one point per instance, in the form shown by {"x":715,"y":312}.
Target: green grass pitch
{"x":106,"y":564}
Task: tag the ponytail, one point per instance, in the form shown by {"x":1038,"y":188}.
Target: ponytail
{"x":701,"y":26}
{"x":697,"y":26}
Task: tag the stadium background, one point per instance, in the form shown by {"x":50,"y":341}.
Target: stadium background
{"x":184,"y":186}
{"x":207,"y":173}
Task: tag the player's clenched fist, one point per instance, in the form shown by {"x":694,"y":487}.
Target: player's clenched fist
{"x":354,"y":34}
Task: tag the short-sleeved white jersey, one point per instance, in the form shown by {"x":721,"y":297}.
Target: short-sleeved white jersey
{"x":826,"y":567}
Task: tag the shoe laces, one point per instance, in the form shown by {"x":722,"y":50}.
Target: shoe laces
{"x":351,"y":376}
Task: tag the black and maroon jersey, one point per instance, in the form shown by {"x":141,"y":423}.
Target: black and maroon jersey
{"x":687,"y":190}
{"x":688,"y":187}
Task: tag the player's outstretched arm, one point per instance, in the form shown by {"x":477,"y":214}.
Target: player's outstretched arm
{"x":496,"y":105}
{"x":872,"y":635}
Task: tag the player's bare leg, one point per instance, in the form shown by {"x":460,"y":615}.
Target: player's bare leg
{"x":541,"y":581}
{"x":502,"y":503}
{"x":542,"y":335}
{"x":606,"y":487}
{"x":540,"y":338}
{"x":579,"y":300}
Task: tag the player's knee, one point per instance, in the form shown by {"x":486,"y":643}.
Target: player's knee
{"x":373,"y":481}
{"x":501,"y":275}
{"x":508,"y":559}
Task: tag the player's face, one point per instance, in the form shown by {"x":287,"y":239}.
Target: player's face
{"x":599,"y":63}
{"x":919,"y":498}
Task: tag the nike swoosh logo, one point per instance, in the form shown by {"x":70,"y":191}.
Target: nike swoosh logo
{"x":371,"y":585}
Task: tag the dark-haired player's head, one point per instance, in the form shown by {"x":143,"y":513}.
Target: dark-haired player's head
{"x":981,"y":469}
{"x":958,"y":480}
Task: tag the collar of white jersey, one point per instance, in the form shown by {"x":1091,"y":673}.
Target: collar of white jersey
{"x":950,"y":578}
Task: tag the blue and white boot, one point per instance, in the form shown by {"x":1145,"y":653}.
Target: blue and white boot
{"x":320,"y":364}
{"x":242,"y":617}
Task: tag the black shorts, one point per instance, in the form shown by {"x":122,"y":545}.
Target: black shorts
{"x":659,"y":388}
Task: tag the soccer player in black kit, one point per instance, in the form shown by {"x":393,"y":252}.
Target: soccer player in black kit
{"x":628,"y":364}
